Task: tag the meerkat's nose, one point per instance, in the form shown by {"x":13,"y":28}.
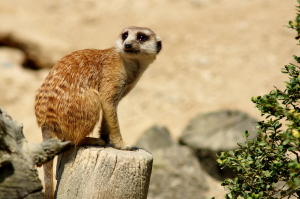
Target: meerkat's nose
{"x":128,"y":46}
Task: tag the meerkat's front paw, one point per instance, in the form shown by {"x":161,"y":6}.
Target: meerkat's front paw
{"x":129,"y":148}
{"x":124,"y":147}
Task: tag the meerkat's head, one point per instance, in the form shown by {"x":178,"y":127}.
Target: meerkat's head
{"x":138,"y":41}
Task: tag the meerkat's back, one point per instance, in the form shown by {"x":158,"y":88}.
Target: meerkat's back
{"x":69,"y":99}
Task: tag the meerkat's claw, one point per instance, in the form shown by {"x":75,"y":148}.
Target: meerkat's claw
{"x":130,"y":148}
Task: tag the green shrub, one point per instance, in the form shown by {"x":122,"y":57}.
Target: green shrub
{"x":269,"y":166}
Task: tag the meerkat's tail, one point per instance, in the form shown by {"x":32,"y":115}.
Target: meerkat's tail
{"x":48,"y":168}
{"x":48,"y":178}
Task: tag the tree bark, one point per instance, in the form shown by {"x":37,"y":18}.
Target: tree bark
{"x":18,"y":175}
{"x":103,"y":173}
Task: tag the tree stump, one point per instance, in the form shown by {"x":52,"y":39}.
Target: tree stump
{"x":18,"y":175}
{"x":103,"y":173}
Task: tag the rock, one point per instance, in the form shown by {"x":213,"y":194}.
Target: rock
{"x":149,"y":139}
{"x":11,"y":57}
{"x":211,"y":133}
{"x":39,"y":52}
{"x":176,"y":171}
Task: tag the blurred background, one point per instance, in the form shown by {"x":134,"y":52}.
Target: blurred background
{"x":216,"y":55}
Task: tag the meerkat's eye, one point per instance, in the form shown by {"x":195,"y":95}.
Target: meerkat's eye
{"x":124,"y":36}
{"x":142,"y":37}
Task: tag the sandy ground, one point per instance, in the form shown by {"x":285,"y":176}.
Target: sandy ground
{"x":216,"y":54}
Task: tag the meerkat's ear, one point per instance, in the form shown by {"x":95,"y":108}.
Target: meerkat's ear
{"x":158,"y":45}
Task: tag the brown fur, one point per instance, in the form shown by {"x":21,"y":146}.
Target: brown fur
{"x":78,"y":87}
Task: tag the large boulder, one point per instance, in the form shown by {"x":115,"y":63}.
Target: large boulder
{"x":176,"y":171}
{"x":211,"y":133}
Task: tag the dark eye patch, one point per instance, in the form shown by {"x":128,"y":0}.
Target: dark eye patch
{"x":124,"y":36}
{"x":142,"y":37}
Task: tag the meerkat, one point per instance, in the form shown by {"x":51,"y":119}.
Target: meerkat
{"x":86,"y":82}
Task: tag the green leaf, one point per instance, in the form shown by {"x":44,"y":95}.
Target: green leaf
{"x":266,"y":173}
{"x":287,"y":141}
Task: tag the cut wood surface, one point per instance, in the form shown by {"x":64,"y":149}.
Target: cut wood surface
{"x":102,"y":173}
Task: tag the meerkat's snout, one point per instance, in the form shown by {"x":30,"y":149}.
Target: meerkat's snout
{"x":128,"y":46}
{"x":131,"y":47}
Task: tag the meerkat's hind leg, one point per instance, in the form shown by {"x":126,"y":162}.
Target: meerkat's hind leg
{"x":92,"y":141}
{"x":104,"y":131}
